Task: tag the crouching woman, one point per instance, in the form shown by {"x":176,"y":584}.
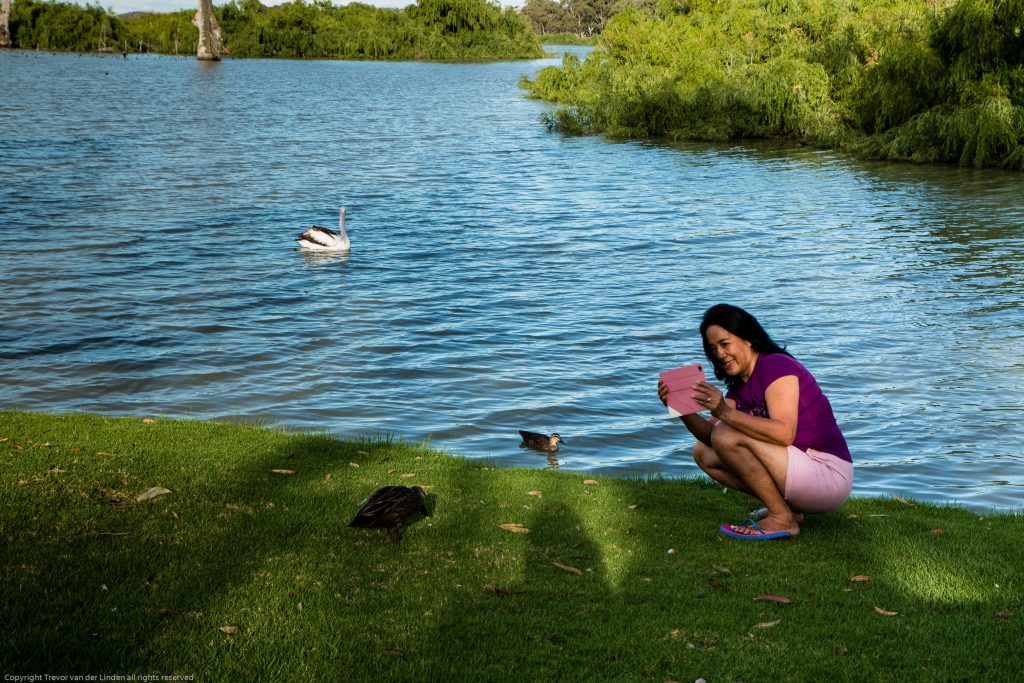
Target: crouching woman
{"x":773,"y":435}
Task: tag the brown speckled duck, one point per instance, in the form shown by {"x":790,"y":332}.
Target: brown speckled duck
{"x":540,"y":442}
{"x":390,"y":507}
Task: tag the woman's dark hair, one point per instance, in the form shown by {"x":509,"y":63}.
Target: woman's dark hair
{"x":745,"y":326}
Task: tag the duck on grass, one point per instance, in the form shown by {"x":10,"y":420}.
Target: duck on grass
{"x":390,"y":507}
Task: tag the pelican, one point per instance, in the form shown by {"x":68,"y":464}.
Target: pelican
{"x":324,"y":239}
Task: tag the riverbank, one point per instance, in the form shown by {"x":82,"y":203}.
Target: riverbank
{"x":244,"y":568}
{"x":428,"y":30}
{"x":901,"y":80}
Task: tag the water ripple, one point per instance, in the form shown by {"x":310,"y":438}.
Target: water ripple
{"x":501,"y":277}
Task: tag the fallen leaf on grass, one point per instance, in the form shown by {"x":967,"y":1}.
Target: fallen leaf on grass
{"x":567,"y":568}
{"x":393,"y":653}
{"x":6,"y":438}
{"x":515,"y":528}
{"x":904,"y":501}
{"x":860,"y":578}
{"x":533,"y":493}
{"x":57,"y":470}
{"x":853,"y":516}
{"x":717,"y":585}
{"x":114,"y":533}
{"x":1006,"y":614}
{"x":634,"y":506}
{"x":768,"y":624}
{"x":16,"y":446}
{"x":148,"y":420}
{"x":885,"y":612}
{"x":353,"y":464}
{"x":152,"y":493}
{"x":392,"y":470}
{"x":289,"y":472}
{"x":230,"y":630}
{"x":842,"y":651}
{"x":590,"y":482}
{"x":500,"y":592}
{"x":361,"y":453}
{"x":938,"y":531}
{"x":408,"y":474}
{"x":774,"y":598}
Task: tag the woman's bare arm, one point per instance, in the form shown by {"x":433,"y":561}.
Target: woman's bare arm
{"x":783,"y":399}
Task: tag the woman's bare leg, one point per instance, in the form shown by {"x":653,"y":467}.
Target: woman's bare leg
{"x":708,"y":461}
{"x":760,"y":469}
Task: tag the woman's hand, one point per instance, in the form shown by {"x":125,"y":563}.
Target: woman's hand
{"x":663,"y":392}
{"x":710,"y":397}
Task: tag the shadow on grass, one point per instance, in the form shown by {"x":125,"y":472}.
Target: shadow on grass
{"x":125,"y":583}
{"x":591,"y":588}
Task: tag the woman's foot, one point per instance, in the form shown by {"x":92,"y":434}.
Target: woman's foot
{"x":760,"y":513}
{"x":750,"y":530}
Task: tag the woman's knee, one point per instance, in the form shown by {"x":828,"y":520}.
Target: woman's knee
{"x":725,"y":437}
{"x":704,"y":456}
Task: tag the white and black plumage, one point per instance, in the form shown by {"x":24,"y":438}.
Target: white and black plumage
{"x":323,"y":239}
{"x":540,"y":442}
{"x":390,"y":507}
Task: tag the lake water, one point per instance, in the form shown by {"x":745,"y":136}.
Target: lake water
{"x":501,"y":277}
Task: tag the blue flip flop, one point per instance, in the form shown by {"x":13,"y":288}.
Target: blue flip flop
{"x":761,"y":535}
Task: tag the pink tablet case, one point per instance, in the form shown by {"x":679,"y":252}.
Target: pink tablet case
{"x":680,"y":383}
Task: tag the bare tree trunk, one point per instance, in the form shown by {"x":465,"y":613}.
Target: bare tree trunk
{"x":210,"y":45}
{"x":5,"y":29}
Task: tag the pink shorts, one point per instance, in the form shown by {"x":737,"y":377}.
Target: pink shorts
{"x":816,"y":481}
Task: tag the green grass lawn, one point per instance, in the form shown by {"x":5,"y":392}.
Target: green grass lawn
{"x":241,"y":572}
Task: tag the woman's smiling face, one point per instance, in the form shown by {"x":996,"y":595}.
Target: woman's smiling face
{"x":735,"y":355}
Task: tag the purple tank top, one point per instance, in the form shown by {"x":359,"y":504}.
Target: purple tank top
{"x":816,"y":425}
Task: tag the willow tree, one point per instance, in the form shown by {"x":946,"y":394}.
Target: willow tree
{"x":210,"y":45}
{"x":5,"y":31}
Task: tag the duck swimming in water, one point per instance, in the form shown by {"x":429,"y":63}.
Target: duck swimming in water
{"x":323,"y":239}
{"x":540,"y":442}
{"x":390,"y":507}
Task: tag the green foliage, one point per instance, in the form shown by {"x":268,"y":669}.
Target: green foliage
{"x":548,"y":17}
{"x":895,"y":79}
{"x":64,"y":26}
{"x":453,"y":16}
{"x":167,"y":33}
{"x":434,"y":29}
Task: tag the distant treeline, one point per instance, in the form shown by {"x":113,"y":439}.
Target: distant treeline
{"x":430,"y":29}
{"x":916,"y":80}
{"x":580,"y":18}
{"x":567,"y":39}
